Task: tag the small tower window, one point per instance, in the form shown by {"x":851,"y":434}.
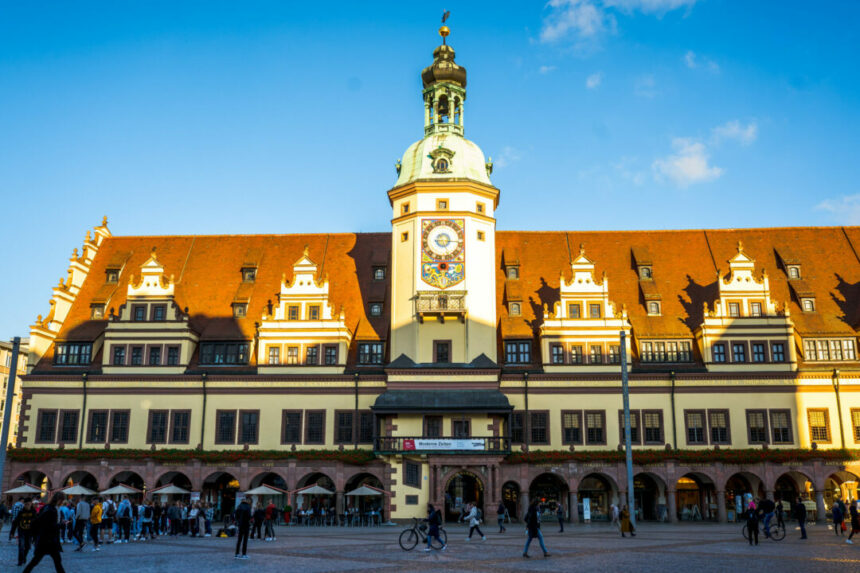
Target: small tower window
{"x":404,"y":236}
{"x":479,"y":208}
{"x":514,"y":309}
{"x":376,"y":309}
{"x":645,"y":273}
{"x":654,"y":308}
{"x":480,"y":235}
{"x":379,"y":273}
{"x":441,"y":204}
{"x":404,"y":208}
{"x":794,"y":272}
{"x":808,"y":305}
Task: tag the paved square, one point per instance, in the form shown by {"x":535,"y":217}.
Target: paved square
{"x":657,"y":547}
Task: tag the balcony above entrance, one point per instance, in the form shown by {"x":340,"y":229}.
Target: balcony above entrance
{"x":440,"y":304}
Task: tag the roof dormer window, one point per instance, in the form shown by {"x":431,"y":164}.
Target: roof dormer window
{"x":112,"y":276}
{"x":654,"y":308}
{"x":249,"y":275}
{"x":240,"y":309}
{"x":98,"y":311}
{"x":794,"y":272}
{"x":512,"y":272}
{"x":645,"y":273}
{"x":808,"y":304}
{"x":514,"y":309}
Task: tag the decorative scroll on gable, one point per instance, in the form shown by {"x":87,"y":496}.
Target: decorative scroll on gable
{"x":152,"y":282}
{"x":741,"y":293}
{"x":584,"y":290}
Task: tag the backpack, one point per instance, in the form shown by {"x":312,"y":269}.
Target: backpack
{"x":111,"y":512}
{"x":147,"y":512}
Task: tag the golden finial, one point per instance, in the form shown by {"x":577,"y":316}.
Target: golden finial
{"x":104,"y":221}
{"x":306,"y":251}
{"x":152,"y":254}
{"x":740,"y":246}
{"x":444,"y":30}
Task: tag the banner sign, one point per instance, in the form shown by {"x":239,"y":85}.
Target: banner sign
{"x":443,"y":444}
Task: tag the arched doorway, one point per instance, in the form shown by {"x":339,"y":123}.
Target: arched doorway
{"x":740,"y":490}
{"x":315,"y":501}
{"x":696,"y":498}
{"x":840,"y":485}
{"x":34,"y":478}
{"x":550,"y":491}
{"x":511,"y":499}
{"x":219,"y":490}
{"x":786,"y":490}
{"x":128,"y":478}
{"x":82,"y":478}
{"x":595,"y":493}
{"x":462,"y":488}
{"x":649,"y":493}
{"x":178,"y":479}
{"x":363,"y":504}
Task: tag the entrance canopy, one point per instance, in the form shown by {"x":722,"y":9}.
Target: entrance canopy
{"x":170,"y":489}
{"x":266,"y":490}
{"x":26,"y":488}
{"x":313,"y":490}
{"x":120,"y":489}
{"x":393,"y":401}
{"x":77,"y":490}
{"x":367,"y":490}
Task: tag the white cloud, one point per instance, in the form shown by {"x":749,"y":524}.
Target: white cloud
{"x":845,"y":209}
{"x":690,"y":59}
{"x":733,"y":130}
{"x":593,"y":81}
{"x":693,"y":61}
{"x":687,"y":165}
{"x":546,"y":69}
{"x":645,"y":86}
{"x":588,"y":20}
{"x":508,"y":156}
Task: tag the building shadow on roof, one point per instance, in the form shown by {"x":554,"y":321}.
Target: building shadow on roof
{"x":698,"y":295}
{"x":848,"y":303}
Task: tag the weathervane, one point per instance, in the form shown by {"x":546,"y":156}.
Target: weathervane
{"x":444,"y":31}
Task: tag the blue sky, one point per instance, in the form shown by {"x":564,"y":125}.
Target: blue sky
{"x":280,"y":117}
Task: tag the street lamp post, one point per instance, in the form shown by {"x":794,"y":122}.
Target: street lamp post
{"x":625,"y":392}
{"x":7,"y":411}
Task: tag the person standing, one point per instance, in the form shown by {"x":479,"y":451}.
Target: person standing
{"x":24,"y":523}
{"x":209,"y":513}
{"x":146,"y":523}
{"x":257,"y":518}
{"x":95,"y":523}
{"x":838,"y":517}
{"x":47,"y":530}
{"x":500,"y":515}
{"x":82,"y":518}
{"x":16,"y":507}
{"x":243,"y":528}
{"x":434,"y":520}
{"x":271,"y":510}
{"x":474,"y":522}
{"x":751,"y":516}
{"x":532,"y":520}
{"x":123,"y":516}
{"x":855,"y":521}
{"x":800,"y":512}
{"x":559,"y":512}
{"x":626,"y":525}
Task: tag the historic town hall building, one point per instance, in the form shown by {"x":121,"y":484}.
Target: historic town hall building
{"x":446,"y":362}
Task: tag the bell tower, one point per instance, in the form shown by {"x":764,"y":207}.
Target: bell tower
{"x":443,"y":231}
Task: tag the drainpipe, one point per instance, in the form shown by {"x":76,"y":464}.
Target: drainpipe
{"x":838,"y":406}
{"x":674,"y":425}
{"x":526,"y":428}
{"x":203,"y":378}
{"x":84,"y":377}
{"x":356,"y":423}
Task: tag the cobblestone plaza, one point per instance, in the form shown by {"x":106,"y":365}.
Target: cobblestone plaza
{"x":657,"y":547}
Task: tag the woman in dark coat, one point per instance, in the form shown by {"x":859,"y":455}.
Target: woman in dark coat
{"x":532,"y":520}
{"x":46,"y":528}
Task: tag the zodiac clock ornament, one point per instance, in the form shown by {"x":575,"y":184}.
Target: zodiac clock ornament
{"x":443,"y":262}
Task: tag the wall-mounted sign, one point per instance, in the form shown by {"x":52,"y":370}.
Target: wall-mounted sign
{"x":443,"y":444}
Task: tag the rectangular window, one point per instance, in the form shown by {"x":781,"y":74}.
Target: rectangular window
{"x":595,"y":427}
{"x":848,"y":350}
{"x":652,"y":425}
{"x":343,"y":427}
{"x":718,"y":422}
{"x":331,"y":355}
{"x":755,"y":309}
{"x":157,"y":433}
{"x":98,"y":427}
{"x":556,"y":352}
{"x":571,"y":427}
{"x":539,"y":427}
{"x":370,"y":353}
{"x":809,"y":350}
{"x":293,"y":312}
{"x":647,"y":352}
{"x":224,"y":353}
{"x":672,"y":351}
{"x":819,"y":425}
{"x":855,"y":424}
{"x":312,"y":355}
{"x":441,"y":351}
{"x":719,"y":351}
{"x":179,"y":426}
{"x":411,"y":474}
{"x":615,"y":354}
{"x":159,"y":312}
{"x":757,"y":426}
{"x":249,"y":426}
{"x":291,"y":427}
{"x":823,"y":350}
{"x":136,"y":355}
{"x":73,"y":353}
{"x":593,"y":311}
{"x":517,"y":427}
{"x":780,"y":426}
{"x":68,"y":426}
{"x":155,"y":356}
{"x":739,"y":352}
{"x":659,"y":352}
{"x":635,"y":436}
{"x":433,"y":426}
{"x":365,"y":427}
{"x":314,"y":312}
{"x":119,"y":355}
{"x":574,"y":310}
{"x":292,"y":354}
{"x":138,"y":312}
{"x":734,"y":309}
{"x":836,"y":350}
{"x":461,"y":428}
{"x":576,"y":354}
{"x":47,"y":426}
{"x":695,"y":424}
{"x":225,"y":426}
{"x":596,"y":355}
{"x":518,"y":352}
{"x":173,"y":356}
{"x":315,"y":427}
{"x":685,"y":352}
{"x":777,"y":350}
{"x":119,"y":420}
{"x":758,"y":354}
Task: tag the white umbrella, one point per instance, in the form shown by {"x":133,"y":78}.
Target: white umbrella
{"x":169,"y":489}
{"x":365,"y":491}
{"x":313,"y":490}
{"x":266,"y":490}
{"x":77,"y":489}
{"x":26,"y":488}
{"x":120,"y":489}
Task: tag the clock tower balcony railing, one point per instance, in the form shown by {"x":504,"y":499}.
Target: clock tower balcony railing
{"x":441,"y":303}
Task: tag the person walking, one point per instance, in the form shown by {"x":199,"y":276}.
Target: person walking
{"x":474,"y":519}
{"x":24,"y":524}
{"x":559,"y":512}
{"x":615,"y":516}
{"x":751,"y":516}
{"x":13,"y":513}
{"x":243,"y":528}
{"x":65,"y":520}
{"x":47,"y":530}
{"x":82,"y":518}
{"x":626,"y":525}
{"x":500,"y":515}
{"x":855,"y":521}
{"x":95,"y":523}
{"x":838,"y":517}
{"x":800,"y":512}
{"x":532,"y":520}
{"x":434,"y":520}
{"x":123,"y":516}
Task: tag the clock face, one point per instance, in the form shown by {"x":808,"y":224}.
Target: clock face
{"x":442,"y":252}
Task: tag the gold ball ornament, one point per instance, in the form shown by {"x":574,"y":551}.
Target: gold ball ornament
{"x":444,"y":31}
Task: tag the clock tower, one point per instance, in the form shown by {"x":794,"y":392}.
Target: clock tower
{"x":443,"y":232}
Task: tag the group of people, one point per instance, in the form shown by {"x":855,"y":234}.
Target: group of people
{"x":841,"y":514}
{"x":766,"y":510}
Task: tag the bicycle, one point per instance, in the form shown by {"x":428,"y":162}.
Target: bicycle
{"x":409,"y":537}
{"x":776,"y":530}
